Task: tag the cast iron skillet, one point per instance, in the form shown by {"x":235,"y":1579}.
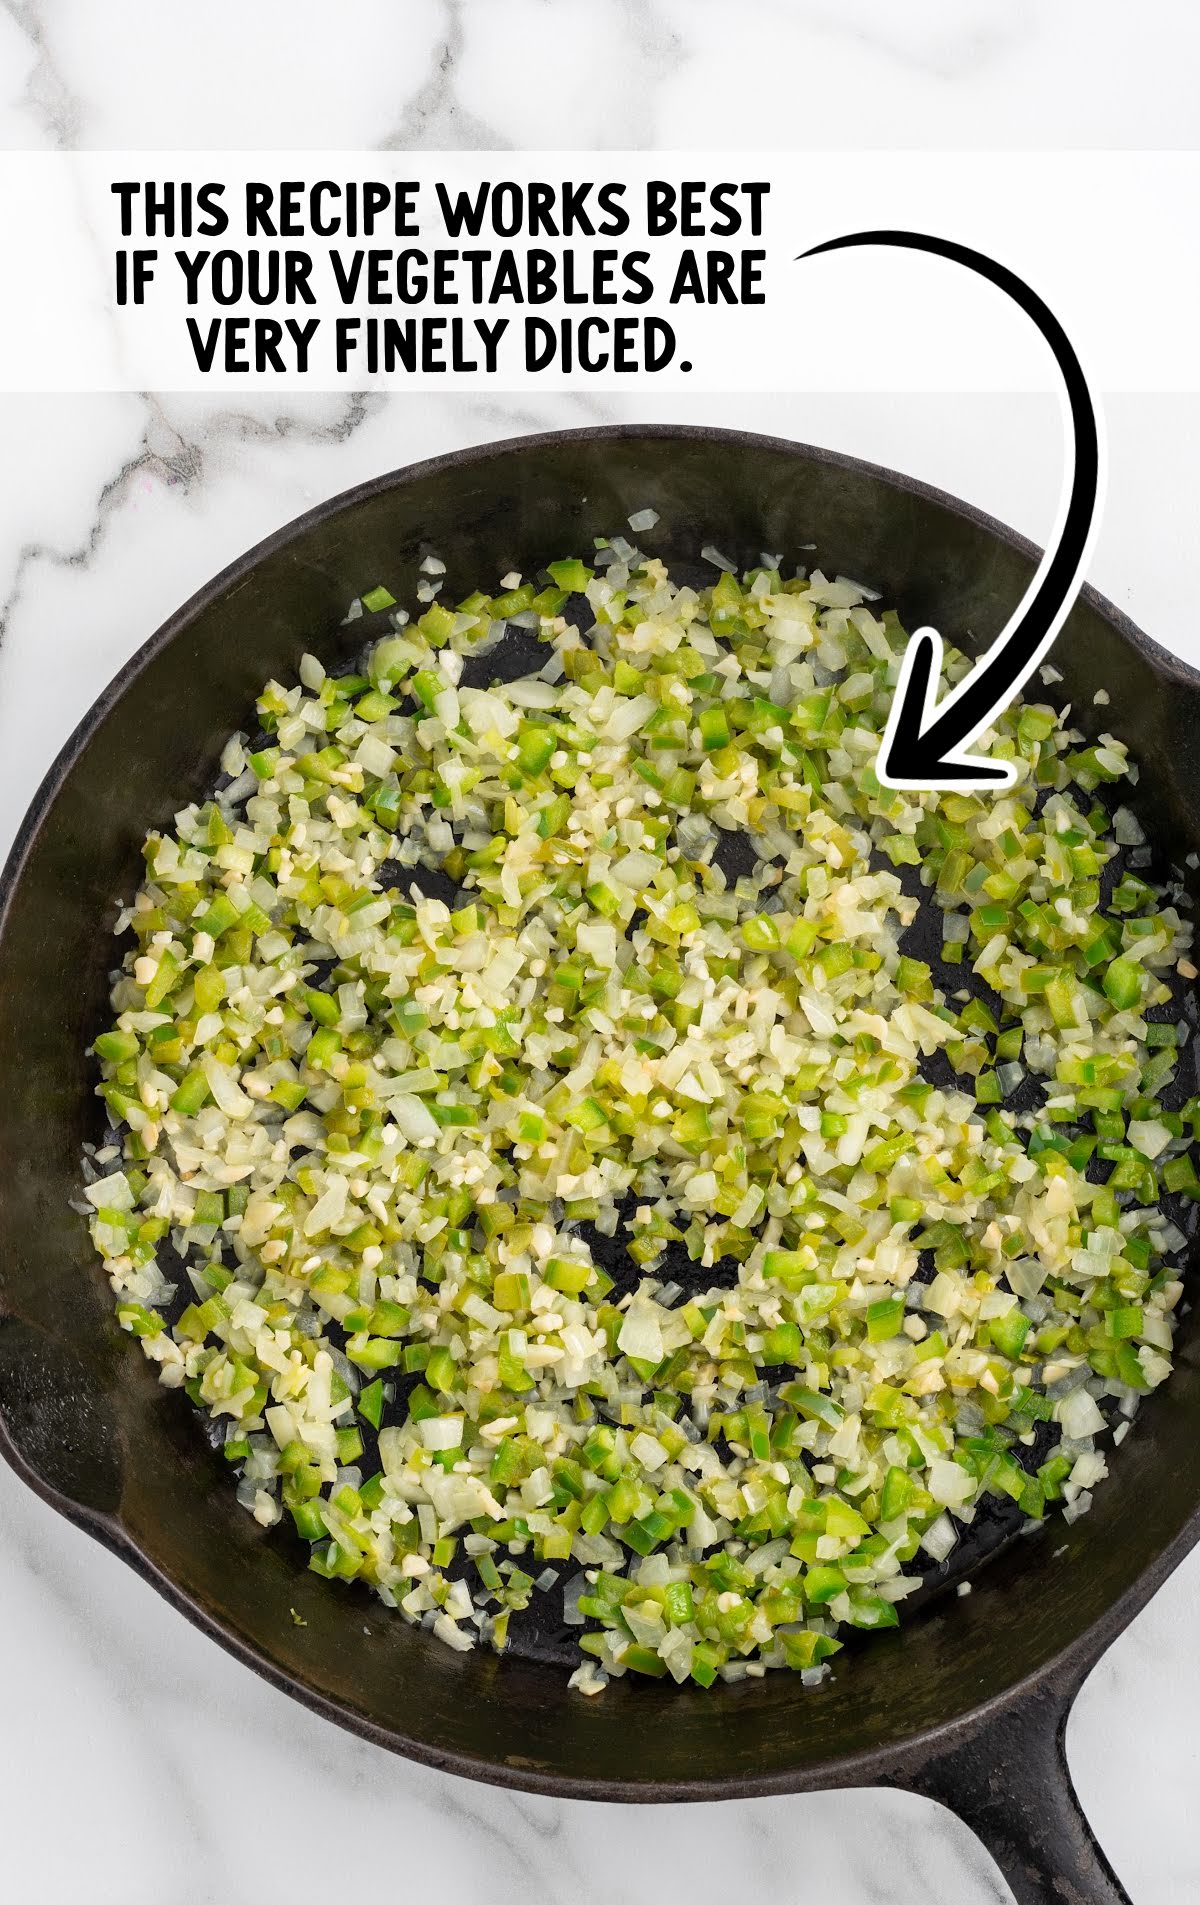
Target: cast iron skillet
{"x":968,"y":1702}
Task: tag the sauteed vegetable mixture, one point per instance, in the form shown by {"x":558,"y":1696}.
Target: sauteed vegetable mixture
{"x":539,"y":1204}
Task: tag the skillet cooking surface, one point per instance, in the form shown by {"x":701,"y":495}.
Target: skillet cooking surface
{"x":538,"y":1632}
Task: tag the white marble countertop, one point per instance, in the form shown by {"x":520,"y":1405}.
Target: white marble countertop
{"x":599,"y":74}
{"x":119,"y":1720}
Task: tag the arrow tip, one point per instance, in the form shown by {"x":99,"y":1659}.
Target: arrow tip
{"x":915,"y":755}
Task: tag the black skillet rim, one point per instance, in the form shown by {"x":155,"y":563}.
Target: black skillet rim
{"x":1060,"y":1675}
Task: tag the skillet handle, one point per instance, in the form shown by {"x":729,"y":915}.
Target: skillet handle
{"x":1007,"y":1778}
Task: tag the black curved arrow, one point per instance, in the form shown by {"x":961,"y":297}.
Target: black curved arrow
{"x":923,"y":743}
